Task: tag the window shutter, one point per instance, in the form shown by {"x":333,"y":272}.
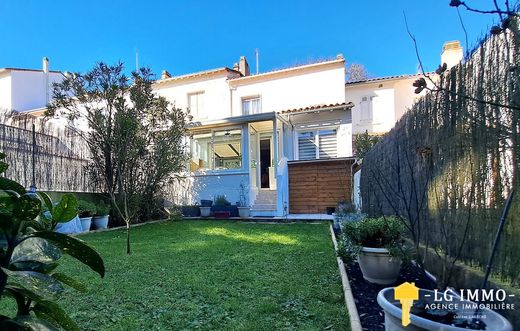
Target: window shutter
{"x":328,"y":144}
{"x":306,"y":146}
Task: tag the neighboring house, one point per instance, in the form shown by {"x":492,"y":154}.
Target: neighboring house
{"x":26,"y":89}
{"x":381,"y":102}
{"x":266,"y":131}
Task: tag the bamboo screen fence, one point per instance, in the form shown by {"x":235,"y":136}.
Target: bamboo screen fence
{"x":450,"y":162}
{"x":60,"y":155}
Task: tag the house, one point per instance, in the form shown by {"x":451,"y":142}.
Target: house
{"x":275,"y":133}
{"x":284,"y":135}
{"x":25,"y":90}
{"x":381,"y":102}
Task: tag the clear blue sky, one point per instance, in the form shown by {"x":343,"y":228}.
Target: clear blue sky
{"x":188,"y":36}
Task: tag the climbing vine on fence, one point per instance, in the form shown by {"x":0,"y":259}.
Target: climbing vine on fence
{"x":450,"y":162}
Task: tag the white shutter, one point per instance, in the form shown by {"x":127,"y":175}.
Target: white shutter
{"x":328,"y":144}
{"x":306,"y":146}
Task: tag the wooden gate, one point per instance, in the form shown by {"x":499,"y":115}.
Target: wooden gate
{"x":316,"y":185}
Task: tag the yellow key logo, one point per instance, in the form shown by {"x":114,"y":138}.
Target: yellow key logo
{"x":406,"y":293}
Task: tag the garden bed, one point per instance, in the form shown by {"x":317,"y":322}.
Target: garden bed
{"x":370,"y":313}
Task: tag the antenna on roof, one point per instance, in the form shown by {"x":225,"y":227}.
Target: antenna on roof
{"x":136,"y":59}
{"x":256,"y":55}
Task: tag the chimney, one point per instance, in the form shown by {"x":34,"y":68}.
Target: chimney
{"x":235,"y":66}
{"x":165,"y":74}
{"x":451,"y":53}
{"x":45,"y":65}
{"x":243,"y":66}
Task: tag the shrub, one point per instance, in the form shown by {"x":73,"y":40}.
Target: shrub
{"x":102,"y":209}
{"x":86,"y":208}
{"x":382,"y":232}
{"x":31,"y":256}
{"x":221,"y":200}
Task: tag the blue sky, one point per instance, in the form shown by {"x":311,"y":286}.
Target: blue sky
{"x":188,"y":36}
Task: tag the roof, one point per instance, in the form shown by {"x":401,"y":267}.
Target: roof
{"x":269,"y":74}
{"x":197,"y":74}
{"x":343,"y":105}
{"x":377,"y":79}
{"x":24,"y":69}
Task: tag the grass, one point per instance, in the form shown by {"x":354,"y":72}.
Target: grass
{"x":212,"y":275}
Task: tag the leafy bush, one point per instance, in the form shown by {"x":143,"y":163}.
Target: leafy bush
{"x":86,"y":208}
{"x":30,"y":256}
{"x":102,"y":209}
{"x":175,"y":213}
{"x":382,"y":232}
{"x":221,"y":200}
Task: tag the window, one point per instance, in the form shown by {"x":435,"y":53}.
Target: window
{"x":196,"y":104}
{"x":366,"y":108}
{"x":320,"y":144}
{"x":251,"y":106}
{"x":216,"y":150}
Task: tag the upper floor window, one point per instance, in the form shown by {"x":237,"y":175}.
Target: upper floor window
{"x":251,"y":105}
{"x":366,"y":108}
{"x":196,"y":104}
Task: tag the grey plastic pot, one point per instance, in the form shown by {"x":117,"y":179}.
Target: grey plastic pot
{"x":85,"y":223}
{"x":244,"y":212}
{"x":391,"y":307}
{"x":378,"y":266}
{"x":205,"y":211}
{"x":100,"y":222}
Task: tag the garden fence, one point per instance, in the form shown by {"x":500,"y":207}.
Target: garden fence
{"x":61,"y":156}
{"x":452,"y":159}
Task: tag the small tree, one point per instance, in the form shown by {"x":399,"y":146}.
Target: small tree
{"x":363,"y":142}
{"x":135,"y":136}
{"x":356,"y":72}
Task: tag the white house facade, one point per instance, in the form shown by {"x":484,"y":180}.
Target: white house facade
{"x":247,"y":130}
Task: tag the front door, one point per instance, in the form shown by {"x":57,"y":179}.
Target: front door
{"x":265,"y":162}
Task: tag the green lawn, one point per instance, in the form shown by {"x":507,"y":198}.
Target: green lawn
{"x":212,"y":275}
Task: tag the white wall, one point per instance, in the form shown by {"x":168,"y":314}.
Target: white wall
{"x":194,"y":188}
{"x":30,"y":89}
{"x":293,"y":90}
{"x":5,"y":92}
{"x":391,"y":100}
{"x":216,"y":95}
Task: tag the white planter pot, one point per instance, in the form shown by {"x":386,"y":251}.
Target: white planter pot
{"x":385,"y":299}
{"x":100,"y":222}
{"x":244,"y":212}
{"x":378,"y":266}
{"x":205,"y":211}
{"x":85,"y":223}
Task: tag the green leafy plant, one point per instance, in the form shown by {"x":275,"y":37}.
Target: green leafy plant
{"x":221,"y":200}
{"x":30,"y":254}
{"x":382,"y":232}
{"x":242,"y":190}
{"x":102,"y":209}
{"x":86,"y":208}
{"x":135,"y":137}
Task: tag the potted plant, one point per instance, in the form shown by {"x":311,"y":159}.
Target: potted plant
{"x":243,"y":207}
{"x":222,"y":208}
{"x":100,"y":219}
{"x":378,"y":245}
{"x":205,"y":208}
{"x":425,"y":313}
{"x":85,"y":212}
